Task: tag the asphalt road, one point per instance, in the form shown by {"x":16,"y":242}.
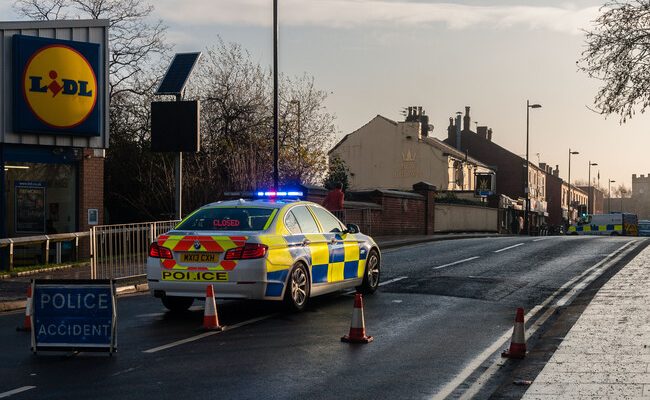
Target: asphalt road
{"x":441,"y":305}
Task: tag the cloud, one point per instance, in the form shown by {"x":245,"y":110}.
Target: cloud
{"x":374,"y":13}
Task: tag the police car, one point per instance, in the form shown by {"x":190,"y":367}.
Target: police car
{"x":265,"y":249}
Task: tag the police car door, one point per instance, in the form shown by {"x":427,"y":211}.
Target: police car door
{"x":315,"y":243}
{"x":344,"y":248}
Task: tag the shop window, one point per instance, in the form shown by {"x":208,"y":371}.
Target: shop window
{"x":41,"y":198}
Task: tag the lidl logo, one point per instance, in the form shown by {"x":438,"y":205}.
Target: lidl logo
{"x":58,"y":89}
{"x":60,"y":86}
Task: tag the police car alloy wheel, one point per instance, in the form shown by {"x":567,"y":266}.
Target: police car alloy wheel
{"x":371,"y":278}
{"x":298,"y":288}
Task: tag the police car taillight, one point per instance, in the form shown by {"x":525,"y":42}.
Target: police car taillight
{"x":157,"y":251}
{"x":247,"y":252}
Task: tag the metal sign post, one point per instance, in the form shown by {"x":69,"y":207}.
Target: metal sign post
{"x":173,"y":84}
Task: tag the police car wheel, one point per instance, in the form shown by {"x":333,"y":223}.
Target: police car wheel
{"x":297,"y":292}
{"x":177,"y":304}
{"x":371,"y":277}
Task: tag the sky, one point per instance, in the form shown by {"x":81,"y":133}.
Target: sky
{"x":379,"y":56}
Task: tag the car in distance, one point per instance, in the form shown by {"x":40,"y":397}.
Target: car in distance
{"x":261,"y":250}
{"x":644,"y":227}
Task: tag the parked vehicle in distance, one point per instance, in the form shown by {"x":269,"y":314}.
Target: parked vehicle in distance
{"x":613,"y":224}
{"x":644,"y":227}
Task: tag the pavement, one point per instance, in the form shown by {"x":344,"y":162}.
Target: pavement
{"x":606,"y":354}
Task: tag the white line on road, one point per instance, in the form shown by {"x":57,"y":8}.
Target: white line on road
{"x":457,"y":262}
{"x":235,"y":326}
{"x":393,"y":280}
{"x":450,"y":387}
{"x":540,"y":239}
{"x":352,"y":291}
{"x":16,"y":391}
{"x":509,"y":247}
{"x":206,"y":334}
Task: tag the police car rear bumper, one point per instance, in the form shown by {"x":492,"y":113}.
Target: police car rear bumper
{"x":247,"y":281}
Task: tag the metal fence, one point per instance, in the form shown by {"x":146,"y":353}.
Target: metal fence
{"x":42,"y":249}
{"x":120,"y":251}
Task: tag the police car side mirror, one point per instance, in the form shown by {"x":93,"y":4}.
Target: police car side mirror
{"x":352,"y":228}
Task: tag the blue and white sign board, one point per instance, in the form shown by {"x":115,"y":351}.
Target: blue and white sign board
{"x":73,"y":315}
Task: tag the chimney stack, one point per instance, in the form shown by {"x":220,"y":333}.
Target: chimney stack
{"x":489,"y":135}
{"x":482,"y":131}
{"x":458,"y":118}
{"x":451,"y":130}
{"x":466,"y":120}
{"x":557,"y":171}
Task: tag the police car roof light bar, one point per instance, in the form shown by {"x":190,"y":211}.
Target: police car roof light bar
{"x":283,"y":193}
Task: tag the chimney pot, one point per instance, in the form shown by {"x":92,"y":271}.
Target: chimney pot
{"x":489,"y":134}
{"x":466,"y":119}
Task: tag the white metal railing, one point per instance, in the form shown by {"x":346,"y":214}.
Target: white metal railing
{"x":44,"y":242}
{"x":120,"y":251}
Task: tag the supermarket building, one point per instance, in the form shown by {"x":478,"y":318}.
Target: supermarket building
{"x":53,"y":126}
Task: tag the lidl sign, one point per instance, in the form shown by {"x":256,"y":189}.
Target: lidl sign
{"x":57,"y":86}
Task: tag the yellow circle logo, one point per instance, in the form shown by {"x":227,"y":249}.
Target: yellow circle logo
{"x":60,"y":86}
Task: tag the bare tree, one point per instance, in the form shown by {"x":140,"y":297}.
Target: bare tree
{"x":617,"y":53}
{"x":134,"y":43}
{"x":41,"y":9}
{"x":622,"y":191}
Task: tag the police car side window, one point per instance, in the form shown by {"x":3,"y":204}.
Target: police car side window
{"x":327,"y":221}
{"x":291,"y":223}
{"x":305,"y":220}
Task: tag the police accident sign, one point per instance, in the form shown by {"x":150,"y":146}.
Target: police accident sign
{"x":76,"y":315}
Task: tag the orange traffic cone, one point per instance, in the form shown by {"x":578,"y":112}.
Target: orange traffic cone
{"x":518,"y":343}
{"x":358,"y":325}
{"x":210,"y":318}
{"x":27,"y":321}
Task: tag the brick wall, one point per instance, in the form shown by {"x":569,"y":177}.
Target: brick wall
{"x":91,"y":191}
{"x":386,"y":212}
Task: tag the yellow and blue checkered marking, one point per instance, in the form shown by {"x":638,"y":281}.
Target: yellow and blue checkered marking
{"x":595,"y":228}
{"x":330,"y":261}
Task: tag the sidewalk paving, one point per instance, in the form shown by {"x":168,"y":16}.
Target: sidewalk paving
{"x":13,"y":289}
{"x":606,"y":354}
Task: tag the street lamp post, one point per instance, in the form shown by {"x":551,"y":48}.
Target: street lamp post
{"x":609,"y":195}
{"x":527,"y":188}
{"x":569,"y":179}
{"x":589,"y":203}
{"x":276,"y":140}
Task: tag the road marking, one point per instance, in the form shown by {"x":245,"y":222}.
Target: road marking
{"x":16,"y":391}
{"x":393,"y":280}
{"x":450,"y":387}
{"x":540,"y":239}
{"x":509,"y":247}
{"x":206,"y":334}
{"x":457,"y":262}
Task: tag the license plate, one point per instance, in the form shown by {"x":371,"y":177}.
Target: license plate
{"x":200,"y":257}
{"x":195,"y":276}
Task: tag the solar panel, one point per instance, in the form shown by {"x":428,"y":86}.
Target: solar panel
{"x":177,"y":73}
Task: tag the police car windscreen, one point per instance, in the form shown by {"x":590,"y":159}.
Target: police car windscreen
{"x":228,"y":219}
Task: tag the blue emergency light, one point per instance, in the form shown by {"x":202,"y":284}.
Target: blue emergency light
{"x":280,"y":194}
